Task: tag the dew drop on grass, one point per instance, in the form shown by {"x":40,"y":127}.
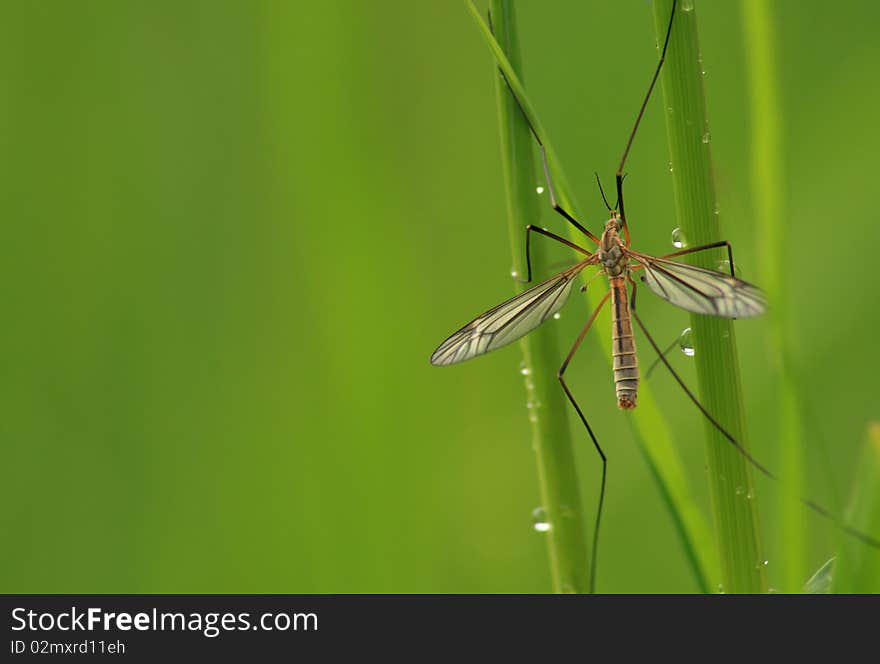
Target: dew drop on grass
{"x":724,"y":266}
{"x":678,"y":239}
{"x":687,"y":5}
{"x":539,"y":520}
{"x":557,"y":316}
{"x":539,"y":189}
{"x":686,"y":342}
{"x":707,"y":137}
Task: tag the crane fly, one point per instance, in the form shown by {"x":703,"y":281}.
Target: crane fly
{"x":694,"y":289}
{"x":691,"y":288}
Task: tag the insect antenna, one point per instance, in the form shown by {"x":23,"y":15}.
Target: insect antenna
{"x":602,"y":191}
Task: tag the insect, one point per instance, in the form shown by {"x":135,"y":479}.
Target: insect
{"x":688,"y":287}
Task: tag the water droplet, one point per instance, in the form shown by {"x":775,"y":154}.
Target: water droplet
{"x":707,"y":136}
{"x":717,"y":210}
{"x":686,"y":342}
{"x":724,"y":266}
{"x":720,"y":589}
{"x":740,"y":491}
{"x":678,"y":239}
{"x":539,"y":189}
{"x":525,"y":371}
{"x":557,"y":315}
{"x":761,"y":563}
{"x":539,"y":520}
{"x":670,"y":167}
{"x":514,"y":274}
{"x":687,"y":5}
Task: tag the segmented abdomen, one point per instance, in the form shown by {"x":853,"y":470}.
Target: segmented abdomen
{"x":623,"y":347}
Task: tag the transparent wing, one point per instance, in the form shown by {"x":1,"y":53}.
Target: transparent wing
{"x":700,"y":290}
{"x":510,"y":320}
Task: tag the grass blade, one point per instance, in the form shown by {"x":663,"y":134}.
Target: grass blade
{"x":648,"y":425}
{"x":742,"y":564}
{"x":820,"y":582}
{"x":770,"y":216}
{"x":857,"y":568}
{"x":557,"y":472}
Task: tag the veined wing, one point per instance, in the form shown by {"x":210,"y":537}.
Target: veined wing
{"x":510,"y":320}
{"x":700,"y":290}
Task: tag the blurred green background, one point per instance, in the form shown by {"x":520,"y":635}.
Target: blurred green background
{"x":235,"y":231}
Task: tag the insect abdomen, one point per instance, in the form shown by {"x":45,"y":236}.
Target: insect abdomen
{"x":623,"y":347}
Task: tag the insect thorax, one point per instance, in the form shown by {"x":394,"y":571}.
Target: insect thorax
{"x":611,"y":254}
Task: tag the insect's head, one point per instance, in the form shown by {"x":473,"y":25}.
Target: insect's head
{"x":613,"y":224}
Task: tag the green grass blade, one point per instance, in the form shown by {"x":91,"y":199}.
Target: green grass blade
{"x":857,"y":568}
{"x":557,"y":472}
{"x":770,"y":216}
{"x":742,"y":563}
{"x":820,"y":582}
{"x":648,"y":425}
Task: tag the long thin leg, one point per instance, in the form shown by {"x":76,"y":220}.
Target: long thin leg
{"x":598,"y":447}
{"x":656,"y":361}
{"x":703,"y":247}
{"x":635,"y":128}
{"x":687,"y":391}
{"x":543,"y":231}
{"x":818,"y":509}
{"x":556,"y":206}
